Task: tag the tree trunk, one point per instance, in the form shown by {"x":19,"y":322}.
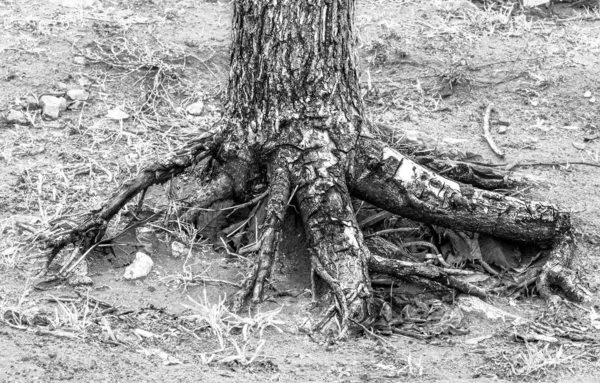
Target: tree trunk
{"x":294,"y":99}
{"x":294,"y":122}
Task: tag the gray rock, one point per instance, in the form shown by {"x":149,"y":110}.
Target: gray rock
{"x":80,"y":280}
{"x":195,"y":109}
{"x":52,"y":106}
{"x":80,"y":275}
{"x":16,"y":117}
{"x":78,"y":95}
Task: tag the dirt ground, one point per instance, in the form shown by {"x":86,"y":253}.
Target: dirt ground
{"x":428,"y":66}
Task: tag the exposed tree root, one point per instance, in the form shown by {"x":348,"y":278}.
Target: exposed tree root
{"x":340,"y":256}
{"x":267,"y":243}
{"x":93,"y":226}
{"x":557,"y":272}
{"x":381,"y":262}
{"x":393,"y":182}
{"x":221,"y":187}
{"x":400,"y":269}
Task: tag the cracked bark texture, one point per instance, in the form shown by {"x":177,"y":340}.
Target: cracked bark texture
{"x":294,"y":93}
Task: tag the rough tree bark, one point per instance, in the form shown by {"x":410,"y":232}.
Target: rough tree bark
{"x":295,"y":126}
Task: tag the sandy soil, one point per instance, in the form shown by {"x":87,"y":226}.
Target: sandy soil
{"x":540,"y":72}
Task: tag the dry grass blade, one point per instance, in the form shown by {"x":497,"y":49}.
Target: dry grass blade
{"x":161,"y":67}
{"x":225,"y":324}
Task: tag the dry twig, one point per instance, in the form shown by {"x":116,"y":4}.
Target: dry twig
{"x":486,"y":131}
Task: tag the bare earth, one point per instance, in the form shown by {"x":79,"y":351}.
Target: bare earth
{"x":541,"y":74}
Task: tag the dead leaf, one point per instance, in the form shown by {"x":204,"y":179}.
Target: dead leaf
{"x":465,"y":245}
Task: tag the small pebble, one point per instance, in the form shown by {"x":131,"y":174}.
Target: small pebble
{"x":52,"y":106}
{"x":195,"y":109}
{"x":116,"y":114}
{"x":79,"y":60}
{"x":502,"y":130}
{"x":587,"y":94}
{"x":16,"y":117}
{"x":78,"y":95}
{"x":178,"y":249}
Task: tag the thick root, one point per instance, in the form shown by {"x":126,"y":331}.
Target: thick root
{"x":398,"y":268}
{"x":221,"y":187}
{"x":270,"y":237}
{"x":90,"y":231}
{"x":557,"y":272}
{"x":393,"y":182}
{"x":157,"y":173}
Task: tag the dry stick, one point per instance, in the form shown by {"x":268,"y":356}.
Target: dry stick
{"x":510,"y":166}
{"x":486,"y":131}
{"x":399,"y":331}
{"x":373,"y":334}
{"x":74,"y":265}
{"x":396,"y":230}
{"x":212,"y":280}
{"x":249,"y":203}
{"x":488,"y":268}
{"x":39,"y":331}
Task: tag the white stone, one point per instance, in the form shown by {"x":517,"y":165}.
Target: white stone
{"x":178,"y":249}
{"x":117,"y":114}
{"x":78,"y":95}
{"x":140,"y":267}
{"x":52,"y":106}
{"x":195,"y":109}
{"x":79,"y":60}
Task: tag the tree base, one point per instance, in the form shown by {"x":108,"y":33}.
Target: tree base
{"x":340,"y":258}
